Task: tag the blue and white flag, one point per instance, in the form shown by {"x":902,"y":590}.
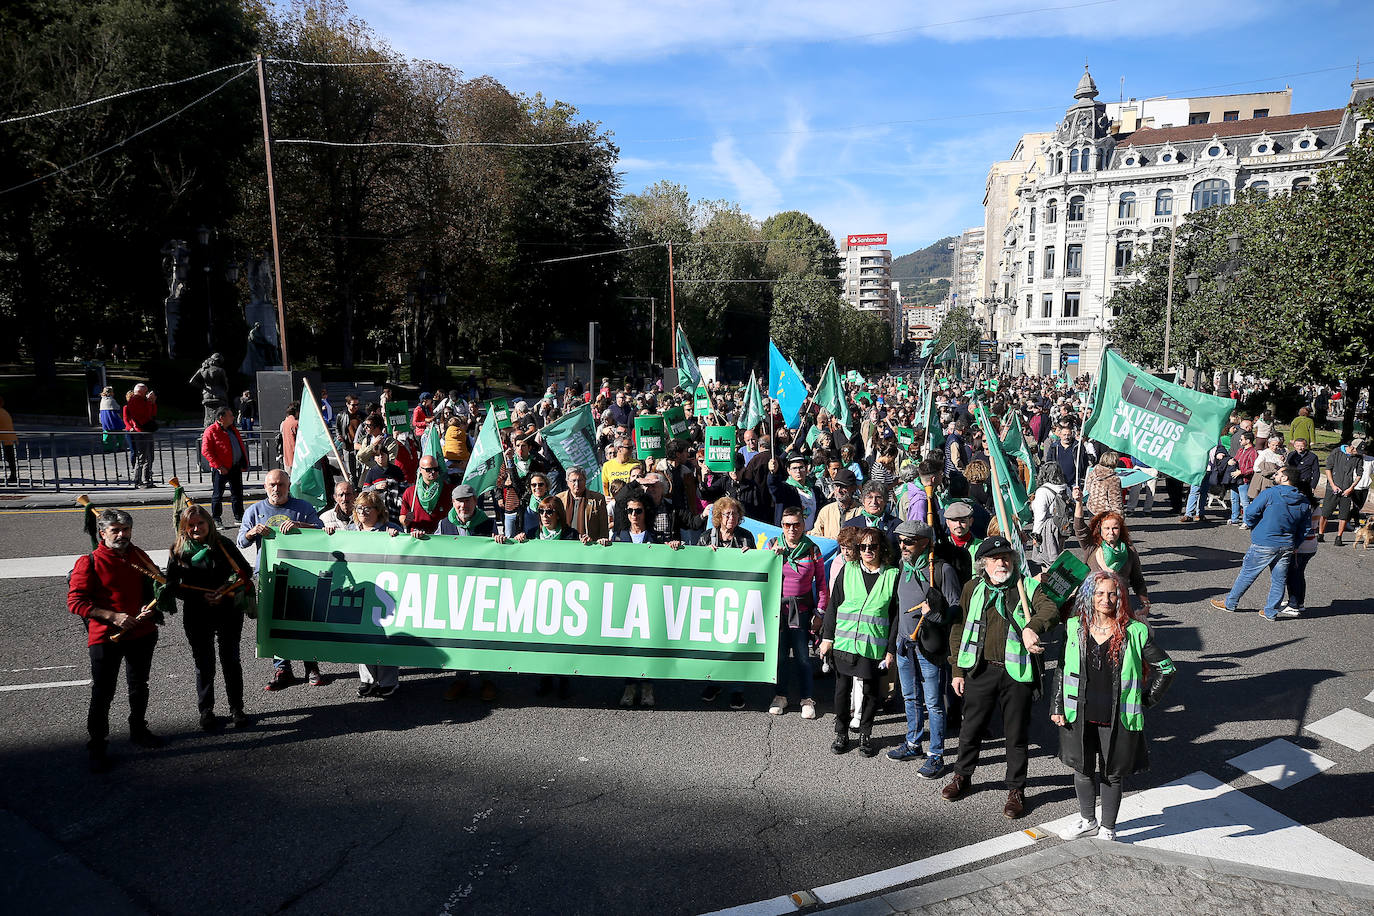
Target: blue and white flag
{"x":785,"y":385}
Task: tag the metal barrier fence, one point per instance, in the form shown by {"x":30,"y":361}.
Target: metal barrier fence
{"x":89,"y":459}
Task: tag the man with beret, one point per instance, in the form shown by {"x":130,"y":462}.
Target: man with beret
{"x":994,"y":638}
{"x":831,"y":517}
{"x":927,"y":593}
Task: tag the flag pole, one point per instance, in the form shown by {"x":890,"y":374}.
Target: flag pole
{"x":315,"y":405}
{"x":1003,"y":515}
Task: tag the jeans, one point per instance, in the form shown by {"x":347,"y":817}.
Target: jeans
{"x":203,"y":629}
{"x":1196,"y":500}
{"x":924,"y":695}
{"x":137,"y":656}
{"x":1297,"y":580}
{"x":1257,"y":559}
{"x":1240,"y":501}
{"x":798,"y":641}
{"x":234,"y":479}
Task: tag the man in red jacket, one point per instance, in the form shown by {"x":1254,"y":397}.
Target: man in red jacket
{"x":427,"y":501}
{"x":140,"y":419}
{"x":109,"y":587}
{"x":223,"y":449}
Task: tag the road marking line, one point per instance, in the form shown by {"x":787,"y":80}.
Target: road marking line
{"x":1370,"y":698}
{"x":60,"y":566}
{"x":1346,"y":726}
{"x":85,"y":683}
{"x":59,"y":511}
{"x":924,"y":868}
{"x":49,"y":668}
{"x":777,"y":906}
{"x":1202,"y":816}
{"x":1281,"y":763}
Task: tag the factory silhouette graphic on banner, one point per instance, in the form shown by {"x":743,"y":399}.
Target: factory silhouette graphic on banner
{"x":318,"y":602}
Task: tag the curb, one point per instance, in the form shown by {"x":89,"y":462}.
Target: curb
{"x":158,"y":496}
{"x":923,"y":895}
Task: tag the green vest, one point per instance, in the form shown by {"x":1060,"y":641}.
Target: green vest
{"x":1132,"y":674}
{"x":861,"y":624}
{"x":1016,"y":657}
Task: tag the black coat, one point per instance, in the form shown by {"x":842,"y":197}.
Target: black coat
{"x":1128,"y":752}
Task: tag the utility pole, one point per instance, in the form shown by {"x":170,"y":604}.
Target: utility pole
{"x":272,"y":214}
{"x":672,"y":307}
{"x":1169,"y":295}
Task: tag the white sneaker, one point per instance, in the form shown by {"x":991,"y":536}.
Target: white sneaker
{"x":854,"y":723}
{"x":1288,"y":613}
{"x":627,"y":699}
{"x":778,"y":706}
{"x":1080,"y":828}
{"x":1107,"y":833}
{"x":808,"y":708}
{"x":646,"y":696}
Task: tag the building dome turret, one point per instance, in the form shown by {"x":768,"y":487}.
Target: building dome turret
{"x":1087,"y":89}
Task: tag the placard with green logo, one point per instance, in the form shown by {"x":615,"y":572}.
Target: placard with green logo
{"x":720,"y":449}
{"x":500,"y":408}
{"x":675,"y":419}
{"x":1064,"y":576}
{"x":651,"y":440}
{"x":701,"y":401}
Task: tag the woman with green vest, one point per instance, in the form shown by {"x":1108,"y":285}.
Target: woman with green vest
{"x":1112,"y":672}
{"x":860,"y":633}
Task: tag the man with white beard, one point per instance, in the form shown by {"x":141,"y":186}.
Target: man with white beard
{"x":992,"y":648}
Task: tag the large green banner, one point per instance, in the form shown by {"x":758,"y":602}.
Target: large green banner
{"x":543,"y":607}
{"x":1169,"y":427}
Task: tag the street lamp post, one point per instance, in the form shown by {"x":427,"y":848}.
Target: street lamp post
{"x":1223,"y":271}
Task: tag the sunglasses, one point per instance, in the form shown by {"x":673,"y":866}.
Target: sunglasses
{"x":429,"y":470}
{"x":908,"y":542}
{"x":362,"y":509}
{"x":547,"y":512}
{"x":634,"y":511}
{"x":868,"y":547}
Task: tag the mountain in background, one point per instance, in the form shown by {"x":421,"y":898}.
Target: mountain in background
{"x":934,"y":260}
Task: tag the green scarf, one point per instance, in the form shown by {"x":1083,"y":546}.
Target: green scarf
{"x":534,"y":503}
{"x":196,"y":555}
{"x":548,"y":534}
{"x":1115,"y":558}
{"x":874,"y":521}
{"x":803,"y":548}
{"x":804,"y":485}
{"x":478,"y":518}
{"x":428,"y":494}
{"x":916,"y":569}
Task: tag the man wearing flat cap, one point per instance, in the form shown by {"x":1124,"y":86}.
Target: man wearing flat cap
{"x":994,"y":640}
{"x":928,"y":594}
{"x":960,"y":546}
{"x":845,"y":506}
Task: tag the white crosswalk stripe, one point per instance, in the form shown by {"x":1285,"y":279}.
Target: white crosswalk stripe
{"x":1281,"y":763}
{"x":1346,"y":726}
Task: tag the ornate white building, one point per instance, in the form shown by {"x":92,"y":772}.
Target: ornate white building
{"x":1102,"y":197}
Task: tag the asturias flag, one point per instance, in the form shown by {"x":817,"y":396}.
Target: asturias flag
{"x":751,"y":414}
{"x":785,"y":385}
{"x":312,"y":444}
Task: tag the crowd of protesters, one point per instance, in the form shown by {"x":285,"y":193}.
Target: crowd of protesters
{"x":926,"y":605}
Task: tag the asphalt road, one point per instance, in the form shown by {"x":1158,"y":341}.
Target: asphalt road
{"x":332,"y":804}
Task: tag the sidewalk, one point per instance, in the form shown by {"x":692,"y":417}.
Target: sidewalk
{"x":1086,"y":876}
{"x":118,"y":497}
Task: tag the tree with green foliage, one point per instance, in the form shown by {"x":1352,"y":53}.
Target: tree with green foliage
{"x":803,"y":260}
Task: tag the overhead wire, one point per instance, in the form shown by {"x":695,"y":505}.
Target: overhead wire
{"x":125,"y":94}
{"x":130,"y":137}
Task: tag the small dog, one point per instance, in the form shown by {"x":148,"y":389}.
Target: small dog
{"x":1364,"y":535}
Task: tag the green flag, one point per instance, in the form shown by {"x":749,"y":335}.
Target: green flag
{"x":946,"y":355}
{"x":572,"y":439}
{"x":830,"y":396}
{"x":751,"y":414}
{"x":1009,"y":493}
{"x":486,"y":460}
{"x":1167,"y":426}
{"x":312,"y":444}
{"x":688,"y":375}
{"x":1014,"y":445}
{"x":433,"y":442}
{"x":935,"y":434}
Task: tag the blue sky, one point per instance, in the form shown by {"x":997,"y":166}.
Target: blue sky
{"x":872,"y":117}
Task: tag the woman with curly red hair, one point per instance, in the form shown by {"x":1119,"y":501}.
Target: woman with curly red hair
{"x":1111,"y":673}
{"x":1107,"y":545}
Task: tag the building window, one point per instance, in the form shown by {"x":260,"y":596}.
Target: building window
{"x":1167,"y":157}
{"x":1300,"y":183}
{"x":1261,"y":112}
{"x":1262,"y":148}
{"x":1198,"y":117}
{"x":1032,"y":222}
{"x":1214,"y":151}
{"x":1030,"y":266}
{"x":1101,"y":158}
{"x":1164,"y":202}
{"x":1051,"y":212}
{"x":1125,"y":253}
{"x":1073,"y":261}
{"x":1125,"y":206}
{"x":1261,"y":188}
{"x":1029,"y":301}
{"x":1047,"y":305}
{"x":1211,"y":193}
{"x":1304,"y":144}
{"x":1085,"y":159}
{"x":1117,"y":310}
{"x":1076,"y":209}
{"x":1071,"y":305}
{"x":1073,"y":160}
{"x":1058,"y":163}
{"x":1230,"y":115}
{"x":1049,"y":263}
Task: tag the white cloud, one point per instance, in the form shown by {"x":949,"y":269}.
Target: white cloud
{"x":754,"y":190}
{"x":478,"y":36}
{"x":792,"y":148}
